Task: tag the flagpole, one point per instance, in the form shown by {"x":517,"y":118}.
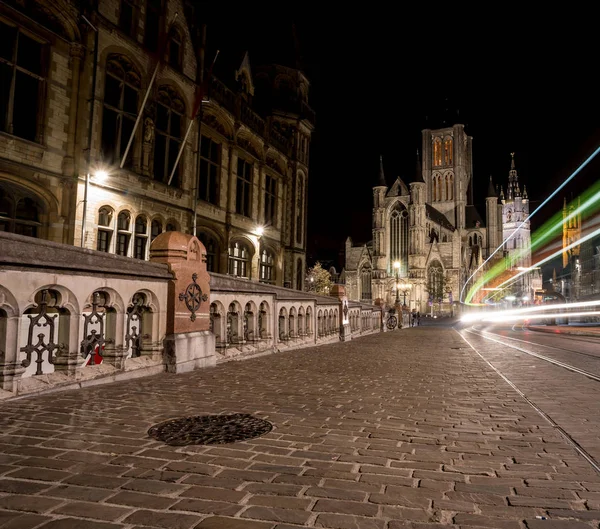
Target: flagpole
{"x":152,"y":79}
{"x":180,"y":151}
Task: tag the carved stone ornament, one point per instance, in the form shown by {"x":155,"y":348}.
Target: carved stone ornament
{"x":193,"y":297}
{"x":213,"y":122}
{"x":248,"y":147}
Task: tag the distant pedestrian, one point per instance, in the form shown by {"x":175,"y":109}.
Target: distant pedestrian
{"x":418,"y":318}
{"x":414,"y":318}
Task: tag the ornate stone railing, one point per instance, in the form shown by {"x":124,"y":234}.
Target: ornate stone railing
{"x":70,"y":315}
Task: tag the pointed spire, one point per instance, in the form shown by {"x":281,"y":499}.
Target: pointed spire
{"x":418,"y":170}
{"x":565,"y":203}
{"x":525,"y":192}
{"x":501,"y":193}
{"x":381,"y":181}
{"x":512,"y":162}
{"x":491,"y":193}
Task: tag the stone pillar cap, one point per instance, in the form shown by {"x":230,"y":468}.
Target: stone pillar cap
{"x":174,"y":246}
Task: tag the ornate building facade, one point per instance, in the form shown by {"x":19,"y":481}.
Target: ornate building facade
{"x":428,"y":237}
{"x":82,"y":76}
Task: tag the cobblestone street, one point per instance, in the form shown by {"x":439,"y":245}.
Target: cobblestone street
{"x":408,"y":429}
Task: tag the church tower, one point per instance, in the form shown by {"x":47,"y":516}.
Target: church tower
{"x":447,"y":171}
{"x":515,"y":213}
{"x":379,"y":192}
{"x":571,"y":230}
{"x":491,"y":211}
{"x":417,"y":219}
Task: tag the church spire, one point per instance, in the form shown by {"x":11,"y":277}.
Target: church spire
{"x":381,"y":181}
{"x":491,"y":191}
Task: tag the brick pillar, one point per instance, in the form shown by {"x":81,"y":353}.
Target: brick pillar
{"x":339,"y":292}
{"x":189,"y":344}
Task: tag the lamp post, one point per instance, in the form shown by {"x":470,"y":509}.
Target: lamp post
{"x":405,"y":289}
{"x":397,"y":268}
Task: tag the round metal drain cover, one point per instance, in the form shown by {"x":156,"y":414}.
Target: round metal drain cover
{"x":210,"y":429}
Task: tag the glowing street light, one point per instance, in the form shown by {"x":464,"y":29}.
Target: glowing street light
{"x":405,"y":289}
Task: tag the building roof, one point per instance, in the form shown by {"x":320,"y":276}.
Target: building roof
{"x":439,"y":217}
{"x":472,"y":217}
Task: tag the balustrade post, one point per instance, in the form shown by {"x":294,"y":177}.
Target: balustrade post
{"x":188,"y":344}
{"x":339,"y":292}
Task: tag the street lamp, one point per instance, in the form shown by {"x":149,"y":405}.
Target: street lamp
{"x":405,"y":289}
{"x":397,"y":268}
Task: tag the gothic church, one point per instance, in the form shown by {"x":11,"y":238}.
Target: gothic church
{"x":432,"y":230}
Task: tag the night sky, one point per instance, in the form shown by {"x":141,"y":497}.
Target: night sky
{"x":524,"y":85}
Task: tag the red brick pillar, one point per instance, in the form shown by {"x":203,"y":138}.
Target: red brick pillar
{"x":189,"y":344}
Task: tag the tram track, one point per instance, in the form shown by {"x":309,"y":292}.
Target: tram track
{"x":591,"y":460}
{"x":564,"y":365}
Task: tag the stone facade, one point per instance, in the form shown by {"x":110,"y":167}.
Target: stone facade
{"x":60,"y":162}
{"x":428,"y":237}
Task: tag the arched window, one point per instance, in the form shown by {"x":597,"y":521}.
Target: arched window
{"x":212,"y":251}
{"x":19,"y":214}
{"x":175,"y":49}
{"x":121,"y":91}
{"x":105,"y":229}
{"x":266,"y":266}
{"x":156,"y":229}
{"x":170,"y":110}
{"x":399,"y":239}
{"x":141,"y":237}
{"x":365,"y":283}
{"x":447,"y":151}
{"x":171,"y":226}
{"x":435,"y":282}
{"x":437,"y":152}
{"x":123,"y":233}
{"x":239,"y":259}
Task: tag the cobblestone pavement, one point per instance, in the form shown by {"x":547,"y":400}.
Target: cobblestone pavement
{"x":410,"y":429}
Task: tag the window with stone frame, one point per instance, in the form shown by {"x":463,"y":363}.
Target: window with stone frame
{"x":121,"y":95}
{"x":170,"y":110}
{"x":19,"y":213}
{"x":105,"y":229}
{"x":140,"y":241}
{"x":175,"y":49}
{"x":365,"y":283}
{"x":123,"y":233}
{"x":212,"y":251}
{"x":155,"y":229}
{"x":437,"y":152}
{"x":22,"y":83}
{"x":448,"y":151}
{"x":128,"y":17}
{"x":152,"y":24}
{"x":270,"y":199}
{"x":267,"y":261}
{"x":239,"y":259}
{"x":399,"y":239}
{"x":210,"y":168}
{"x":243,"y":188}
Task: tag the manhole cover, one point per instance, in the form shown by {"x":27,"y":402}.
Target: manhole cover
{"x":210,"y":429}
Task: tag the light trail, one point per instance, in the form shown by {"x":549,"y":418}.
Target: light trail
{"x":550,"y":197}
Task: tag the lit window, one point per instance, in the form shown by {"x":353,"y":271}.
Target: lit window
{"x":448,"y":151}
{"x":437,"y":152}
{"x":123,"y":233}
{"x":266,"y":267}
{"x":239,"y":259}
{"x":105,"y":229}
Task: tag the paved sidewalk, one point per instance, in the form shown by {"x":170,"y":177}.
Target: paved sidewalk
{"x":398,"y":430}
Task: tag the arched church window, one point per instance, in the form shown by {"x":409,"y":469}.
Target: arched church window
{"x":365,"y":283}
{"x":399,"y":239}
{"x":435,"y":281}
{"x":447,"y":151}
{"x":437,"y":152}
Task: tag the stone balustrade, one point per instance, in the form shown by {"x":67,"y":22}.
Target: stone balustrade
{"x":69,"y":316}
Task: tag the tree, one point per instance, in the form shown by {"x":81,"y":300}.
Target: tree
{"x":318,"y":280}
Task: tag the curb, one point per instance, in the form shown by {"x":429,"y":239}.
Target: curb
{"x":551,"y":331}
